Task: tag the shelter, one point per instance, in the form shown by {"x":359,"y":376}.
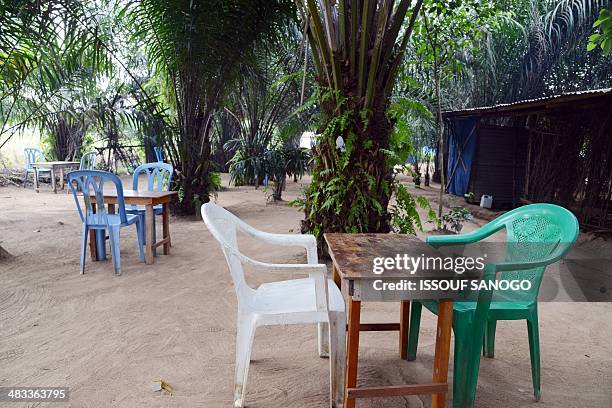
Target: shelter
{"x":556,"y":149}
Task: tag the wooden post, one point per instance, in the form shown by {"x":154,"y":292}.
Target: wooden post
{"x":149,"y":241}
{"x":166,"y":228}
{"x":404,"y":326}
{"x":443,"y":336}
{"x":53,"y":184}
{"x":352,"y":349}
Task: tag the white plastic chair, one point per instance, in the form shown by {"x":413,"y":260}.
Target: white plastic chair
{"x":295,"y":301}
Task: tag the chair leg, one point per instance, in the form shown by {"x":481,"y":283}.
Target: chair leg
{"x":413,"y":332}
{"x":115,"y":244}
{"x":244,"y":343}
{"x":337,"y":360}
{"x":323,"y":342}
{"x":140,"y":233}
{"x":84,"y":247}
{"x":460,"y":361}
{"x":534,"y":353}
{"x":490,"y":338}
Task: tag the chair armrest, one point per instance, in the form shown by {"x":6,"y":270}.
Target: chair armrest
{"x":463,"y":239}
{"x":258,"y":266}
{"x":316,"y":271}
{"x":305,"y":241}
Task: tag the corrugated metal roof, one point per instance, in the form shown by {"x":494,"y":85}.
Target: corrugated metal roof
{"x":537,"y":104}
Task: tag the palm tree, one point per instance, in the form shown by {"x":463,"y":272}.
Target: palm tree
{"x":196,"y":48}
{"x":357,"y":48}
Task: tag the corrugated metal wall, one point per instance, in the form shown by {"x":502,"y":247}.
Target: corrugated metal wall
{"x":499,"y":165}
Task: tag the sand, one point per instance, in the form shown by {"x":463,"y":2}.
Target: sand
{"x":108,"y":338}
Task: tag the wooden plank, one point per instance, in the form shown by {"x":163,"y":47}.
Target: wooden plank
{"x":354,"y":254}
{"x":442,"y":351}
{"x":164,"y":242}
{"x":138,"y":197}
{"x":336,"y":274}
{"x":166,"y":229}
{"x":352,"y":349}
{"x":149,"y":241}
{"x":379,"y":327}
{"x":397,"y":390}
{"x":404,"y":326}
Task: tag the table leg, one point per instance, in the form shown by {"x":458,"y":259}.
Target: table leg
{"x":149,"y":240}
{"x":166,"y":228}
{"x":97,"y":242}
{"x":35,"y":179}
{"x":53,"y":184}
{"x":443,"y":336}
{"x":352,"y":349}
{"x":62,"y":184}
{"x":93,"y":242}
{"x":404,"y":329}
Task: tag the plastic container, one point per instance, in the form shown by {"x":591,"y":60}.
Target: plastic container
{"x":486,"y":201}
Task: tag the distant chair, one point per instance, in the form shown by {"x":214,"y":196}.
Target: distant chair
{"x":84,"y":182}
{"x":159,"y":153}
{"x":88,"y":161}
{"x":159,"y":176}
{"x":33,"y":155}
{"x":315,"y":299}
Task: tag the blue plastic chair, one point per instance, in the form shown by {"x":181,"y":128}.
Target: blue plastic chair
{"x":159,"y":153}
{"x":159,"y":176}
{"x":33,"y":155}
{"x":92,"y":181}
{"x":537,"y":235}
{"x":88,"y":161}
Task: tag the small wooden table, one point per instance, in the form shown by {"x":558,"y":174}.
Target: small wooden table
{"x":353,"y":256}
{"x":147,"y":198}
{"x":54,"y":166}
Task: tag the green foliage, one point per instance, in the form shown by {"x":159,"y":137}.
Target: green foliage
{"x":603,"y":38}
{"x":186,"y":46}
{"x":405,"y":218}
{"x":453,"y":220}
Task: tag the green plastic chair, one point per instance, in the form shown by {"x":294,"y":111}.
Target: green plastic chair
{"x":537,"y":235}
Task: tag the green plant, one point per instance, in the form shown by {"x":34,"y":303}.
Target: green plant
{"x":603,"y":38}
{"x":405,"y":218}
{"x":469,"y":196}
{"x":196,"y":51}
{"x":453,"y":220}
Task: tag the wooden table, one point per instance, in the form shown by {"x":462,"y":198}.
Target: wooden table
{"x":54,"y":166}
{"x":147,"y":198}
{"x":353,"y":256}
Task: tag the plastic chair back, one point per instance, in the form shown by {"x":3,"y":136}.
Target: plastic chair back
{"x":159,"y":153}
{"x":223,"y":225}
{"x":88,"y":161}
{"x":159,"y":176}
{"x":84,"y":183}
{"x":536,"y":232}
{"x":33,"y":155}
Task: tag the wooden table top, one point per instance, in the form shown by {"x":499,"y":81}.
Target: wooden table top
{"x":137,"y":197}
{"x":353,"y":255}
{"x":56,"y":163}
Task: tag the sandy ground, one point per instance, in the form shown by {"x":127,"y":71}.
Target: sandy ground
{"x":108,"y":338}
